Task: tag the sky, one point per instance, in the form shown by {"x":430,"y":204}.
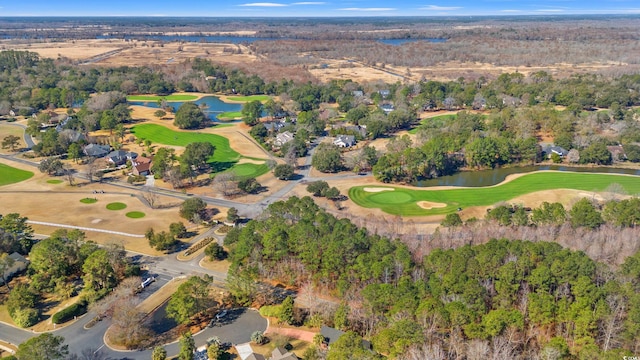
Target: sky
{"x":293,"y":8}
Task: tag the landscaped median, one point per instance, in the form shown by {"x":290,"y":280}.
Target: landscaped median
{"x":421,"y":202}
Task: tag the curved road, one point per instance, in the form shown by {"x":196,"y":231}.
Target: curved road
{"x":78,"y":338}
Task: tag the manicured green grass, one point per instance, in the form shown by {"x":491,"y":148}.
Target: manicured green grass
{"x":229,"y":115}
{"x":54,"y":181}
{"x":245,"y":171}
{"x":440,"y":118}
{"x":135,"y":214}
{"x":224,"y":157}
{"x":403,"y":201}
{"x":157,"y":97}
{"x":162,"y":135}
{"x":88,"y":201}
{"x":10,"y":175}
{"x":249,"y":98}
{"x":116,"y":206}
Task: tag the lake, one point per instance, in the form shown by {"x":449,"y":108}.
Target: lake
{"x":242,"y":39}
{"x":213,"y":105}
{"x":496,"y":176}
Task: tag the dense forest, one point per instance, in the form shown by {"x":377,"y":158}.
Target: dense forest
{"x":501,"y":299}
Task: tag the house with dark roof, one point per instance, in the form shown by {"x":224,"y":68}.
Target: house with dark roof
{"x":280,"y":353}
{"x":560,"y":151}
{"x":332,"y":335}
{"x":120,"y":157}
{"x":384,"y":93}
{"x":387,"y":108}
{"x":141,"y":169}
{"x":96,"y":151}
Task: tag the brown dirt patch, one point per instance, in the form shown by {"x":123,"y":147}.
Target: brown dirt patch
{"x":430,"y":205}
{"x":216,"y":265}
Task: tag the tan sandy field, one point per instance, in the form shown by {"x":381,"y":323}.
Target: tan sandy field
{"x":430,"y":205}
{"x":376,"y":189}
{"x":6,"y":130}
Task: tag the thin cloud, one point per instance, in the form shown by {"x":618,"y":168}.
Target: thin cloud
{"x":263,"y":4}
{"x":367,"y":9}
{"x":550,"y":10}
{"x":510,"y":11}
{"x":440,"y":8}
{"x":309,"y":3}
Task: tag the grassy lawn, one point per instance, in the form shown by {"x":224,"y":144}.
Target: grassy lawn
{"x":10,"y":175}
{"x":116,"y":206}
{"x":229,"y":115}
{"x":224,"y":157}
{"x":403,"y":201}
{"x":54,"y":181}
{"x":157,"y":97}
{"x":162,"y":135}
{"x":245,"y":171}
{"x":439,"y":119}
{"x":88,"y":201}
{"x":249,"y":98}
{"x":135,"y":214}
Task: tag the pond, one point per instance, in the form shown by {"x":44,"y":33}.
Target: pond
{"x":496,"y":176}
{"x":212,"y":105}
{"x":397,"y":42}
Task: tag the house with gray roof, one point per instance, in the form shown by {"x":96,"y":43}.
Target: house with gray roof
{"x":96,"y":151}
{"x":345,"y":141}
{"x":283,"y":138}
{"x":19,"y":265}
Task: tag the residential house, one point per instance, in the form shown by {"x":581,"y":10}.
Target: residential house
{"x":387,"y":108}
{"x":281,"y":353}
{"x":71,"y":135}
{"x":143,"y":169}
{"x":254,"y":356}
{"x":19,"y":265}
{"x":274,"y":126}
{"x":384,"y":93}
{"x":283,"y":138}
{"x":357,"y":93}
{"x":96,"y":151}
{"x":119,"y":157}
{"x":358,"y":129}
{"x":331,"y":335}
{"x":562,"y":152}
{"x":345,"y":141}
{"x":22,"y":110}
{"x":617,"y":153}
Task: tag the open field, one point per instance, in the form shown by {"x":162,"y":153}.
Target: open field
{"x":439,"y":119}
{"x":6,"y":130}
{"x":173,"y":97}
{"x":11,"y":175}
{"x":404,"y":201}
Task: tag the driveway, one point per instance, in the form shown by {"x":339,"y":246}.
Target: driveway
{"x":238,"y":326}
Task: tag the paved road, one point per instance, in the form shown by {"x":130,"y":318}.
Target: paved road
{"x":28,"y":140}
{"x":165,"y":268}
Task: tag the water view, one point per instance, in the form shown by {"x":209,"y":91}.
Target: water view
{"x":496,"y":176}
{"x":212,"y":105}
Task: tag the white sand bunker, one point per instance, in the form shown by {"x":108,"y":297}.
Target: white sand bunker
{"x":95,"y":221}
{"x":250,"y":161}
{"x":376,"y":189}
{"x":430,"y":205}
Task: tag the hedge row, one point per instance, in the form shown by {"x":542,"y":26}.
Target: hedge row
{"x":70,"y":312}
{"x":198,"y":246}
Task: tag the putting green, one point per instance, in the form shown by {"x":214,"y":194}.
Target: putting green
{"x":391,"y":197}
{"x":403,"y":201}
{"x":158,"y":97}
{"x":135,"y":214}
{"x":116,"y":206}
{"x":54,"y":181}
{"x":229,"y":115}
{"x":88,"y":201}
{"x":11,"y":175}
{"x":250,"y":170}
